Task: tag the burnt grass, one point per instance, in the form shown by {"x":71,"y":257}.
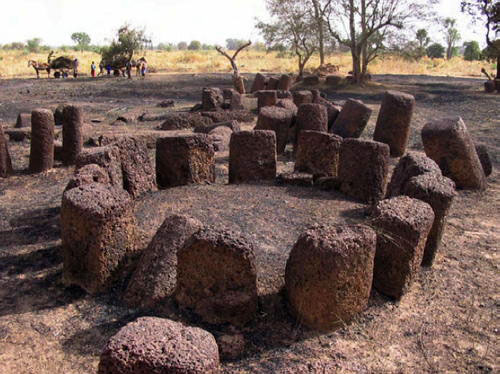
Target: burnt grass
{"x":448,"y":322}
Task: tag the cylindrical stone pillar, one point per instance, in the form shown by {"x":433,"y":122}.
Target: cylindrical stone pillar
{"x":259,"y":83}
{"x":266,"y":98}
{"x":393,"y":122}
{"x":42,"y":140}
{"x":5,"y":162}
{"x":285,"y":82}
{"x":72,"y":133}
{"x":310,"y":117}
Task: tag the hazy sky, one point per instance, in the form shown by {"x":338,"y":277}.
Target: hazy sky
{"x":209,"y":21}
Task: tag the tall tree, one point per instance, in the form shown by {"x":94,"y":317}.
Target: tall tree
{"x":320,"y":8}
{"x":452,"y":36}
{"x":487,"y":11}
{"x":121,"y":50}
{"x":81,"y":39}
{"x":423,"y":38}
{"x":358,"y":23}
{"x":293,"y":27}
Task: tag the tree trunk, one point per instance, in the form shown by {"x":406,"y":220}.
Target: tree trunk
{"x":498,"y":65}
{"x":321,"y":37}
{"x":356,"y":67}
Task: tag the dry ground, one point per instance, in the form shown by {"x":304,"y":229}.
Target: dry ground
{"x":447,"y":323}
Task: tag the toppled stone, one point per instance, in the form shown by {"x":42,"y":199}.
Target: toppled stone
{"x":448,"y":142}
{"x":156,"y":271}
{"x":295,"y":179}
{"x":183,"y":120}
{"x":352,"y":119}
{"x":229,"y":115}
{"x":205,"y":129}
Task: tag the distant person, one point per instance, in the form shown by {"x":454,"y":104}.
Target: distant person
{"x":76,"y":64}
{"x":101,"y":68}
{"x":108,"y":69}
{"x":128,"y":67}
{"x":92,"y":69}
{"x":144,"y":68}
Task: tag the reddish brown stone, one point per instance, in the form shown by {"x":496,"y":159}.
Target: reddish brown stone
{"x":409,"y":166}
{"x":308,"y":366}
{"x":58,"y":115}
{"x":448,"y":142}
{"x":333,"y":80}
{"x":160,"y":346}
{"x":182,"y":160}
{"x":156,"y":274}
{"x":287,"y":104}
{"x":393,"y":122}
{"x":285,"y":82}
{"x":311,"y":80}
{"x":484,"y":158}
{"x":205,"y":129}
{"x":72,"y":133}
{"x":220,"y":138}
{"x":489,"y":86}
{"x":183,"y":120}
{"x":352,"y":119}
{"x":402,"y":225}
{"x":91,"y":173}
{"x":216,"y":277}
{"x":259,"y":83}
{"x":266,"y":98}
{"x":23,"y":120}
{"x":229,"y":115}
{"x":295,"y":179}
{"x":438,"y":192}
{"x":310,"y":117}
{"x":18,"y":135}
{"x":278,"y":120}
{"x":108,"y":158}
{"x":98,"y":232}
{"x":318,"y":153}
{"x":329,"y":275}
{"x":363,"y":169}
{"x":252,"y":156}
{"x":272,"y":83}
{"x":211,"y":98}
{"x":302,"y":97}
{"x":42,"y":141}
{"x":231,"y":347}
{"x":284,"y":94}
{"x":5,"y":161}
{"x":332,"y":109}
{"x":233,"y":99}
{"x":58,"y":151}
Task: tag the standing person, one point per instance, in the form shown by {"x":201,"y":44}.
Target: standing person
{"x":108,"y":69}
{"x":76,"y":63}
{"x":92,"y":69}
{"x":101,"y":68}
{"x":144,"y":68}
{"x":129,"y":69}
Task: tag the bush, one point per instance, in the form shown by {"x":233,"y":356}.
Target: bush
{"x":33,"y":45}
{"x":182,"y":46}
{"x":435,"y":50}
{"x":195,"y":45}
{"x":472,"y":51}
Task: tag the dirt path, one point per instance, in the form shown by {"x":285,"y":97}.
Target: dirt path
{"x":447,"y":323}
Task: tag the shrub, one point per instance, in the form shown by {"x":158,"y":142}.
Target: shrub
{"x":472,"y":51}
{"x":195,"y":45}
{"x":435,"y":50}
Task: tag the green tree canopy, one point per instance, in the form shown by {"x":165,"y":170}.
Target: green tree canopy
{"x":195,"y":45}
{"x":435,"y":50}
{"x":472,"y":51}
{"x":81,"y":39}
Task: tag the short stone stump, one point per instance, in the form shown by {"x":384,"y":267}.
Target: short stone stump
{"x":310,"y":117}
{"x":23,"y":120}
{"x":278,"y":120}
{"x":259,"y":83}
{"x":220,"y":138}
{"x":448,"y":142}
{"x":98,"y":232}
{"x":155,"y":276}
{"x":393,"y":122}
{"x":211,"y":98}
{"x":329,"y":274}
{"x":107,"y":157}
{"x":402,"y":225}
{"x":252,"y":156}
{"x":160,"y":346}
{"x":352,"y":119}
{"x":409,"y":166}
{"x":363,"y":169}
{"x":438,"y":192}
{"x":318,"y":153}
{"x":216,"y":277}
{"x":285,"y":82}
{"x":302,"y":97}
{"x":182,"y":160}
{"x":88,"y":174}
{"x":484,"y":158}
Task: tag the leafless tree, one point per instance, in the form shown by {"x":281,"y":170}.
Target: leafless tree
{"x":238,"y":82}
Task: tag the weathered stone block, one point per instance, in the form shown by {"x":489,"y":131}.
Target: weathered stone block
{"x":352,"y":119}
{"x":182,"y":160}
{"x":72,"y":133}
{"x":266,"y":98}
{"x":278,"y":120}
{"x":318,"y":153}
{"x":329,"y":275}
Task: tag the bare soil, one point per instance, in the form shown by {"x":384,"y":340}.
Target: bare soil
{"x":447,"y":323}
